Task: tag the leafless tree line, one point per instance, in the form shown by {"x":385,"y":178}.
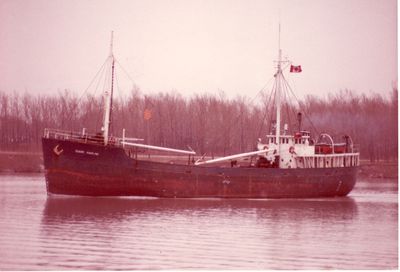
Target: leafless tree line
{"x":211,"y":124}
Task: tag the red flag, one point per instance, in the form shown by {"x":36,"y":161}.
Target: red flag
{"x":295,"y":69}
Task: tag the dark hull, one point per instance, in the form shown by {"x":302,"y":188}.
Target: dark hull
{"x":94,"y":170}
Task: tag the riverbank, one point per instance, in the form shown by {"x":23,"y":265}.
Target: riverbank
{"x":32,"y":162}
{"x":379,"y":169}
{"x":21,"y":162}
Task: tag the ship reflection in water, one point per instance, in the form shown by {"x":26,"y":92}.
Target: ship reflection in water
{"x":40,"y":232}
{"x":114,"y":233}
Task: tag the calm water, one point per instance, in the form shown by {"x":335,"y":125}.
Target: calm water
{"x":41,"y":233}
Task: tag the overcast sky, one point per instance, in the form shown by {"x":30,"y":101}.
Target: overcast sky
{"x":199,"y":46}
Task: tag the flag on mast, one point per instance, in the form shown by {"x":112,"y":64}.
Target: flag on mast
{"x":295,"y":69}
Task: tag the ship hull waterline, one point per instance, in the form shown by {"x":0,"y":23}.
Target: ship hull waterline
{"x":75,"y":168}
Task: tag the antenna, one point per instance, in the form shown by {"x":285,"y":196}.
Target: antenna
{"x":279,"y":47}
{"x":279,"y":40}
{"x":111,"y":43}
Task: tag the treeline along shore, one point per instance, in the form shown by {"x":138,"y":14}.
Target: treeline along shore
{"x":210,"y":124}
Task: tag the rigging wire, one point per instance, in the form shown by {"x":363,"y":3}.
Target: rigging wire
{"x":265,"y":113}
{"x":97,"y":76}
{"x":105,"y":83}
{"x":103,"y":69}
{"x":126,"y":73}
{"x":91,"y":82}
{"x":291,"y":107}
{"x":267,"y":105}
{"x":102,"y":73}
{"x":119,"y":91}
{"x":286,"y":105}
{"x":99,"y":109}
{"x":236,"y":119}
{"x":307,"y":115}
{"x":273,"y":110}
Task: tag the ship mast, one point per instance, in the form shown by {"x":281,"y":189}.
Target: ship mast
{"x":108,"y":95}
{"x":278,"y":76}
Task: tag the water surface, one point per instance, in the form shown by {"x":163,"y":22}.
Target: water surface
{"x":63,"y":233}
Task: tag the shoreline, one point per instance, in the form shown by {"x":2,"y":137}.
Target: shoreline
{"x":32,"y":162}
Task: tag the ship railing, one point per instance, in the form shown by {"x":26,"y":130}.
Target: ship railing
{"x":328,"y":160}
{"x":80,"y":136}
{"x":356,"y":148}
{"x":98,"y":139}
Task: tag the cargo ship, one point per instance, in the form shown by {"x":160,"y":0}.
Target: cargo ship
{"x":283,"y":164}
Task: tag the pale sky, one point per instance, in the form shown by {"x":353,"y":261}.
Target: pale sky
{"x":193,"y":46}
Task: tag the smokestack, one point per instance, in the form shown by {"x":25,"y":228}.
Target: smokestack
{"x":299,"y":117}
